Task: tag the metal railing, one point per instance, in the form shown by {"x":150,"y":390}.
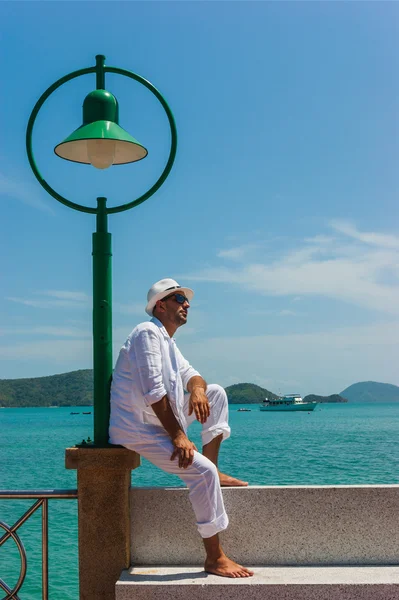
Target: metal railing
{"x":42,"y":497}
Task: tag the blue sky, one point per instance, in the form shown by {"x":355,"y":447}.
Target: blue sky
{"x":281,"y":210}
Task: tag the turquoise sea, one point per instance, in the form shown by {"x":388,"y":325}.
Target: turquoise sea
{"x":336,"y":444}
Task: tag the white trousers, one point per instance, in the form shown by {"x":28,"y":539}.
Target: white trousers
{"x":201,"y":477}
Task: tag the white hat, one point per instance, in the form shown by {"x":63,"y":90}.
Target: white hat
{"x":163,"y":288}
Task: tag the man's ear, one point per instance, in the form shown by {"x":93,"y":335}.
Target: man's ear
{"x":159,"y":306}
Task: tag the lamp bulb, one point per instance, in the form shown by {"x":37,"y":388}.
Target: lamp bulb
{"x":101,"y":153}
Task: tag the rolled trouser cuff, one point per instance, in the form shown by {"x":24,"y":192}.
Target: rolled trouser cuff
{"x":220,"y":428}
{"x":207,"y":530}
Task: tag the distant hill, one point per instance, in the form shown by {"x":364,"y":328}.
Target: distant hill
{"x":69,"y":389}
{"x":371,"y":391}
{"x":247,"y":393}
{"x":323,"y":399}
{"x":76,"y":389}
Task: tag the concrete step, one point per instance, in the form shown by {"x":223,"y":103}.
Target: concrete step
{"x":268,"y":583}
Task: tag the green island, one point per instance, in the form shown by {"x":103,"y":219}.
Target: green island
{"x":76,"y":389}
{"x":68,"y":389}
{"x":249,"y":393}
{"x":324,"y":399}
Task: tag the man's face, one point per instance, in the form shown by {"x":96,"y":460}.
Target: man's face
{"x":175,"y":308}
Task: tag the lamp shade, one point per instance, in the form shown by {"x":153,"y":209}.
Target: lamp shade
{"x":101,"y":141}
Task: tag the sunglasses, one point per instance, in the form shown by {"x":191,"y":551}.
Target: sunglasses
{"x":180,"y":298}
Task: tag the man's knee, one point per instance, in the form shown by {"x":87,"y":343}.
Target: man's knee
{"x":211,"y":476}
{"x":207,"y":471}
{"x":215,"y":391}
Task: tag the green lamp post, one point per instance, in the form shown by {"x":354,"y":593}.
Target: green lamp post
{"x":101,"y":142}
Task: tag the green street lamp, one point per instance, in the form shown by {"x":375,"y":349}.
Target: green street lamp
{"x":101,"y":142}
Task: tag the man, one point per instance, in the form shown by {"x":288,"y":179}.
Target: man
{"x":150,"y":414}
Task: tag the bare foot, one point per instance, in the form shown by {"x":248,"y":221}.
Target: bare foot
{"x":228,"y":481}
{"x":224,"y":567}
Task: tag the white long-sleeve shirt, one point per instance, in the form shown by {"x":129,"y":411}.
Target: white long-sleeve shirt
{"x":149,"y":367}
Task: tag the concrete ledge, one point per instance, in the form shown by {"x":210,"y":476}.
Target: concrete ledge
{"x":101,"y":458}
{"x":268,"y":583}
{"x":323,"y":525}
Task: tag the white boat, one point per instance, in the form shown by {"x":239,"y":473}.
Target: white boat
{"x":290,"y":402}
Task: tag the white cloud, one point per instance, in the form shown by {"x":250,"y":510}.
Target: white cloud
{"x":65,"y":295}
{"x":285,"y":312}
{"x":54,"y":355}
{"x":74,"y":332}
{"x":59,"y":352}
{"x":382,"y":240}
{"x":25,"y":192}
{"x":238,"y":252}
{"x":362,"y":271}
{"x":325,"y":362}
{"x":59,"y":299}
{"x":320,"y":239}
{"x":72,"y":299}
{"x":46,"y":304}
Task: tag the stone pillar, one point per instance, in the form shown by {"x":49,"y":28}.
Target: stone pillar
{"x":103,"y":516}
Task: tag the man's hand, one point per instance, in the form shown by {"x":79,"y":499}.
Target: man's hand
{"x":184,"y":449}
{"x":199,"y":404}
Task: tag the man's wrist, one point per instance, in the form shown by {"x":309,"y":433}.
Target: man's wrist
{"x":196,"y":382}
{"x":178,"y":435}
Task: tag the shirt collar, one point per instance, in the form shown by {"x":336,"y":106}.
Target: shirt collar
{"x":158,"y":323}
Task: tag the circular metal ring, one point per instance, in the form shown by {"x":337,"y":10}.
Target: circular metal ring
{"x":121,"y":207}
{"x":22,"y":554}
